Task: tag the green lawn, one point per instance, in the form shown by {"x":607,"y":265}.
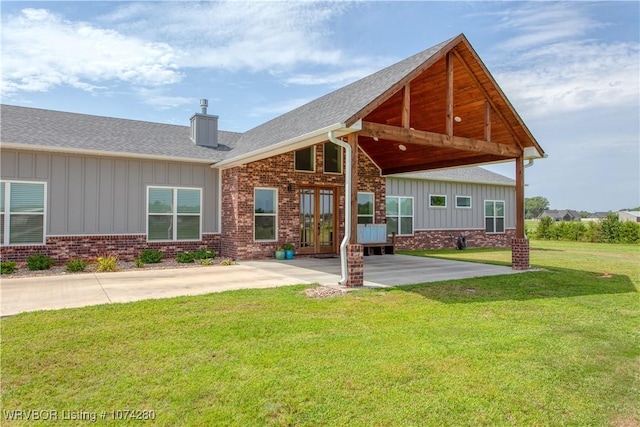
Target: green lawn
{"x":553,"y":347}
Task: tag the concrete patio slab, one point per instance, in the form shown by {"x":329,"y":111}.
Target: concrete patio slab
{"x":19,"y":295}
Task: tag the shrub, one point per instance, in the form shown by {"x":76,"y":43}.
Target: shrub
{"x":204,"y":253}
{"x":185,"y":257}
{"x":629,"y":232}
{"x":139,"y":263}
{"x":7,"y":267}
{"x":610,"y":229}
{"x":206,"y":261}
{"x":227,"y":261}
{"x":40,"y":262}
{"x":150,"y":256}
{"x":544,"y":228}
{"x":76,"y":265}
{"x":107,"y":263}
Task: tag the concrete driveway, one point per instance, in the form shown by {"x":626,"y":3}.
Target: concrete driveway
{"x":19,"y":295}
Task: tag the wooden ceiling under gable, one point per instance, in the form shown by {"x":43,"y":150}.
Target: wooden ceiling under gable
{"x":450,"y":112}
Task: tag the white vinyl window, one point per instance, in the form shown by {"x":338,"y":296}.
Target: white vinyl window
{"x":332,"y":158}
{"x":437,"y":201}
{"x":265,"y":214}
{"x":22,"y":212}
{"x":365,"y":208}
{"x":400,"y":215}
{"x":463,"y":202}
{"x":174,"y":213}
{"x":305,"y":160}
{"x":494,"y":216}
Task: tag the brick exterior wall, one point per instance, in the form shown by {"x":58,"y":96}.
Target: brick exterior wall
{"x":125,"y":247}
{"x":278,"y":172}
{"x":446,"y":239}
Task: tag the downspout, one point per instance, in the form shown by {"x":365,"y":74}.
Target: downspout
{"x":347,"y":207}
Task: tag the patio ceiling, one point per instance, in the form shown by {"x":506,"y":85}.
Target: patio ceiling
{"x":448,"y":112}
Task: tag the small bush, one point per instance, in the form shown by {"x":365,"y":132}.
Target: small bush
{"x":227,"y":261}
{"x":7,"y":267}
{"x":107,"y":263}
{"x":150,"y":256}
{"x":206,"y":261}
{"x":40,"y":262}
{"x":139,"y":263}
{"x":204,"y":253}
{"x":185,"y":257}
{"x":76,"y":265}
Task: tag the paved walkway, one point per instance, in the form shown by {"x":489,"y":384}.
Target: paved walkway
{"x":77,"y":290}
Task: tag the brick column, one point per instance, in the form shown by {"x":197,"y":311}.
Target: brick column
{"x":520,"y":254}
{"x":355,"y":265}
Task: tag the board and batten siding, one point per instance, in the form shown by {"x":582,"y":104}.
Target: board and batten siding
{"x":91,"y":195}
{"x":428,"y":218}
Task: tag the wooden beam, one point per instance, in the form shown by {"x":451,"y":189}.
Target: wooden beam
{"x":449,"y":97}
{"x":421,"y":137}
{"x":406,"y":106}
{"x":487,"y":121}
{"x":487,"y":97}
{"x":520,"y":234}
{"x":352,"y":139}
{"x":417,"y":167}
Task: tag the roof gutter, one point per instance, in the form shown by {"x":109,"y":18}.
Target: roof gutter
{"x":347,"y":206}
{"x":301,"y":141}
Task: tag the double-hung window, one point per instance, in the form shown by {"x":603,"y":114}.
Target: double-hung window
{"x":399,"y":215}
{"x":22,"y":213}
{"x":174,"y":213}
{"x":365,"y":208}
{"x":265,"y":214}
{"x":494,"y":216}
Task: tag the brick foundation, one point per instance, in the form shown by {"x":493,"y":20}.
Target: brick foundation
{"x":355,"y":265}
{"x":446,"y":239}
{"x":125,"y":247}
{"x":520,"y":254}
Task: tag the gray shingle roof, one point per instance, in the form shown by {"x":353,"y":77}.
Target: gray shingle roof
{"x":60,"y":130}
{"x":473,"y":174}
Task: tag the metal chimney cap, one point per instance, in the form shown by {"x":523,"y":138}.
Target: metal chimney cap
{"x":204,"y":103}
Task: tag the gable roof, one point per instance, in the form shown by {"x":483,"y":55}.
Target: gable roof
{"x":340,"y":111}
{"x":560,"y":213}
{"x":473,"y":174}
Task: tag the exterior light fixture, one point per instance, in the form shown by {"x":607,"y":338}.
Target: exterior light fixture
{"x":402,"y":147}
{"x":375,"y":138}
{"x":457,"y":119}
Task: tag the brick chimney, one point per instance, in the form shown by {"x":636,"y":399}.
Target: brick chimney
{"x":204,"y":127}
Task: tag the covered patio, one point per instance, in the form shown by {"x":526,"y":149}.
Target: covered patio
{"x":445,"y":111}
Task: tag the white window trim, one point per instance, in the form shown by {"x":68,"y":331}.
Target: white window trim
{"x":373,"y":214}
{"x":313,"y":157}
{"x":464,"y":207}
{"x":275,"y":215}
{"x":504,"y":210}
{"x":400,"y":215}
{"x":7,"y":212}
{"x":340,"y":160}
{"x":174,"y":214}
{"x":438,"y":195}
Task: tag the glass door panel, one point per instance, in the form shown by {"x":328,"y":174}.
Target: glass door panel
{"x":317,"y":220}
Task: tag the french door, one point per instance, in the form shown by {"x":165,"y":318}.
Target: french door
{"x":318,"y":220}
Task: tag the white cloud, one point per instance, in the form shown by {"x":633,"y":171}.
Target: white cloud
{"x":42,"y":50}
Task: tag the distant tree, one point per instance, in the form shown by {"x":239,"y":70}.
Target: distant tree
{"x":534,"y":206}
{"x":584,"y":214}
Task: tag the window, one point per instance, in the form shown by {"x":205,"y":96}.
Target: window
{"x":400,"y":215}
{"x":365,"y":208}
{"x":173,"y":213}
{"x":463,"y":202}
{"x":494,"y":216}
{"x":22,"y":213}
{"x":437,"y":201}
{"x":305,"y":160}
{"x":332,"y":158}
{"x":265,"y":214}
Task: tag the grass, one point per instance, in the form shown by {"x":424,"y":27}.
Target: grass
{"x":554,"y":347}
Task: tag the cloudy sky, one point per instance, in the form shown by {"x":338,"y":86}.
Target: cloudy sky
{"x":571,"y":69}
